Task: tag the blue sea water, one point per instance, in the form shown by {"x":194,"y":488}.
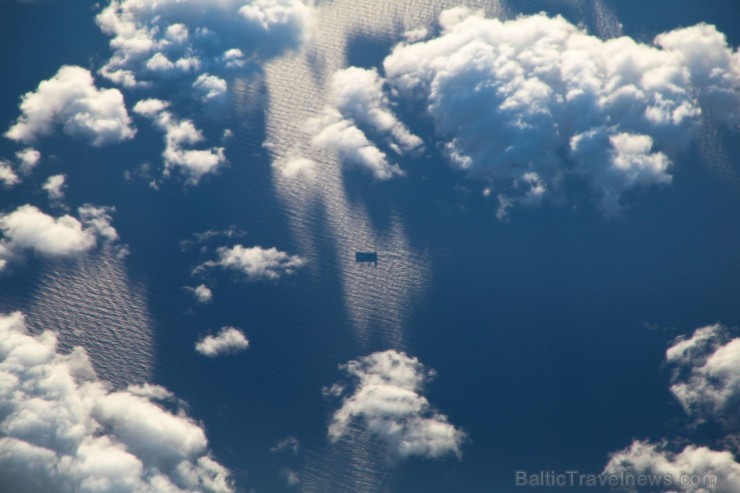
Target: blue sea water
{"x":547,"y":331}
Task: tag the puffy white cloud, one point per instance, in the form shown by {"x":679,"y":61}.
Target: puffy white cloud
{"x":714,"y":69}
{"x":358,"y":95}
{"x":150,"y":37}
{"x":539,"y":95}
{"x":228,"y":340}
{"x":343,"y":137}
{"x":63,"y":430}
{"x":210,"y":87}
{"x":54,"y":186}
{"x":98,"y":219}
{"x":8,"y":177}
{"x":234,"y":58}
{"x":28,"y":228}
{"x":71,"y":100}
{"x":387,"y":403}
{"x":159,"y":62}
{"x":202,"y":293}
{"x":692,"y":469}
{"x":706,"y":378}
{"x":150,"y":107}
{"x":255,"y":262}
{"x":297,"y":168}
{"x":28,"y":158}
{"x":357,"y":101}
{"x":179,"y":134}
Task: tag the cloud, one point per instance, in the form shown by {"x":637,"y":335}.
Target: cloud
{"x":28,"y":158}
{"x":228,"y":340}
{"x":54,"y":186}
{"x":210,"y":87}
{"x":341,"y":136}
{"x":387,"y":403}
{"x":706,"y":381}
{"x":64,"y":430}
{"x":8,"y":177}
{"x":706,"y":377}
{"x":151,"y":39}
{"x":291,"y":444}
{"x":28,"y":228}
{"x":202,"y":293}
{"x":297,"y":168}
{"x":538,"y":97}
{"x":179,"y":134}
{"x":693,"y":469}
{"x":713,"y":67}
{"x":291,"y":477}
{"x":357,"y":101}
{"x":256,"y":263}
{"x":70,"y":100}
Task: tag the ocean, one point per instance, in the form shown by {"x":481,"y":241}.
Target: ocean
{"x":547,"y":330}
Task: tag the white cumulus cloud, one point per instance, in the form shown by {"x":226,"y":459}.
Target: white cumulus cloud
{"x":28,"y":159}
{"x":228,"y":340}
{"x":692,"y":469}
{"x":64,"y":430}
{"x":256,"y":263}
{"x":387,"y":402}
{"x":28,"y":228}
{"x":210,"y":87}
{"x":202,"y":293}
{"x":296,"y":168}
{"x":54,"y":186}
{"x":8,"y":176}
{"x":706,"y":379}
{"x":151,"y":37}
{"x":538,"y":96}
{"x":357,"y":102}
{"x":179,"y":135}
{"x":71,"y":101}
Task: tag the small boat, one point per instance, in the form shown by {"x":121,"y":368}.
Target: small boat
{"x":366,"y":257}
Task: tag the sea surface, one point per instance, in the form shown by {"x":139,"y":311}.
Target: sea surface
{"x":547,"y":331}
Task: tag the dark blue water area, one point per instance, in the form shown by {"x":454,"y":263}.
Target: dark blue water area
{"x":547,"y":330}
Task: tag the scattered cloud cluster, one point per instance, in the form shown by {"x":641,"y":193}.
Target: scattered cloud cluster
{"x":706,"y":381}
{"x":178,"y":136}
{"x":64,"y":430}
{"x":28,"y":228}
{"x":155,"y":39}
{"x":527,"y":102}
{"x":71,"y":100}
{"x":357,"y":102}
{"x":387,"y":402}
{"x":228,"y":340}
{"x":256,"y":263}
{"x":25,"y":161}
